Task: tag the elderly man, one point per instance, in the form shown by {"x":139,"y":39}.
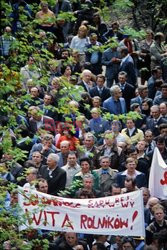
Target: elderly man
{"x":115,"y":104}
{"x":63,"y":154}
{"x":86,"y":82}
{"x":106,"y":174}
{"x":71,"y":168}
{"x":155,"y":120}
{"x":55,"y":176}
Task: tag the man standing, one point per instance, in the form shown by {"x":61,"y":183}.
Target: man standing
{"x":127,"y":65}
{"x":115,"y":104}
{"x":100,"y":90}
{"x":111,"y":59}
{"x":128,"y":91}
{"x":163,"y":96}
{"x":71,"y":168}
{"x":143,"y":93}
{"x":155,"y":120}
{"x":55,"y":176}
{"x":106,"y":174}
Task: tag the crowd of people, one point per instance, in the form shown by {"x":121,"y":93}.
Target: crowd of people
{"x":91,"y":131}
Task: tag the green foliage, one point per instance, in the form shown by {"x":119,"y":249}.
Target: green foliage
{"x":111,"y":43}
{"x":134,"y":33}
{"x":66,"y":16}
{"x":123,"y":117}
{"x":70,"y":191}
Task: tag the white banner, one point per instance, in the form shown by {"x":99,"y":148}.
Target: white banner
{"x":114,"y":215}
{"x":158,"y":176}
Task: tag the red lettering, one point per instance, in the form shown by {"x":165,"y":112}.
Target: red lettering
{"x":53,"y":216}
{"x":164,"y":182}
{"x":35,"y":219}
{"x":104,"y":222}
{"x":125,"y":204}
{"x":67,"y":222}
{"x":83,"y":220}
{"x":32,"y":200}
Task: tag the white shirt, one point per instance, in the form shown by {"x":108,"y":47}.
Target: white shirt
{"x":71,"y":171}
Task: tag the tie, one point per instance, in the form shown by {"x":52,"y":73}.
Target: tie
{"x":100,"y":91}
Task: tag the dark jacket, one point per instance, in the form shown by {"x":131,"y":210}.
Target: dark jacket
{"x":56,"y":182}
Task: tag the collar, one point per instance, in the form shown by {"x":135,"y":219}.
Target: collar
{"x":100,"y":89}
{"x":158,"y":118}
{"x":124,"y":59}
{"x":74,"y":167}
{"x":126,"y":173}
{"x":51,"y":170}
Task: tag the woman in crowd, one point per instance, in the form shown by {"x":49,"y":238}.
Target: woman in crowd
{"x":85,"y":169}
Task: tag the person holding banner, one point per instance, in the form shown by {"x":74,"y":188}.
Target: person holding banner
{"x":55,"y":176}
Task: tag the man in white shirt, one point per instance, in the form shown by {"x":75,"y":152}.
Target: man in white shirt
{"x":71,"y":168}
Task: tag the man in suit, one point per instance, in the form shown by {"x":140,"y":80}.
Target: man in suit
{"x":55,"y":176}
{"x":128,"y":91}
{"x":111,"y":59}
{"x":47,"y":107}
{"x":155,"y":120}
{"x":38,"y":120}
{"x":115,"y":104}
{"x":131,"y":165}
{"x":163,"y":95}
{"x":127,"y":65}
{"x":143,"y":94}
{"x":86,"y":82}
{"x":100,"y":90}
